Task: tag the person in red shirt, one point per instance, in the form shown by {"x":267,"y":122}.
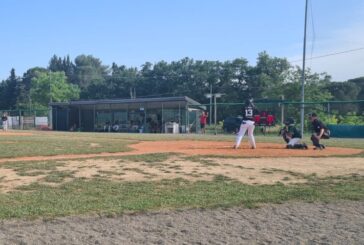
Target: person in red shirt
{"x":203,"y":120}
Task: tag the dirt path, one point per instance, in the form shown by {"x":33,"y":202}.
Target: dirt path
{"x":14,"y":133}
{"x":191,"y":147}
{"x":290,"y":223}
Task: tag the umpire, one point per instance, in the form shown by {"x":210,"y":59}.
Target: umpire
{"x":320,"y":131}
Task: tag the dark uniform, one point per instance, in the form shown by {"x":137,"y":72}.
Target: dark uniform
{"x":248,"y":111}
{"x":292,"y":130}
{"x":292,"y":136}
{"x":317,"y":127}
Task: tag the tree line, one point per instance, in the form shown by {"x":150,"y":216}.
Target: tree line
{"x":87,"y":78}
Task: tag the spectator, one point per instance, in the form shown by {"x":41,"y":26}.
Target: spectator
{"x":115,"y":126}
{"x":203,"y":120}
{"x":4,"y":118}
{"x":107,"y":126}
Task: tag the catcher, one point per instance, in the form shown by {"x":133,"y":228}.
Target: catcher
{"x":291,"y":135}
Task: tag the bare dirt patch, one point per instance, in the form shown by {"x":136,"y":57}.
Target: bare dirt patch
{"x":268,"y":164}
{"x":246,"y":170}
{"x":14,"y":133}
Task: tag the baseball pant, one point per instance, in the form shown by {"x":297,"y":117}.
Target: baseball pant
{"x":293,"y":141}
{"x":5,"y":125}
{"x":246,"y":125}
{"x":316,"y":141}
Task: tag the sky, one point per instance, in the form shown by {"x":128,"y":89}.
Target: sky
{"x":132,"y":32}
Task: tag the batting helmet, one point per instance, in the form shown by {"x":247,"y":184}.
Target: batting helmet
{"x":249,"y":101}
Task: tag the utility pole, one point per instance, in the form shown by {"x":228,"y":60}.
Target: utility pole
{"x":209,"y":96}
{"x":303,"y":75}
{"x":215,"y":113}
{"x":50,"y":102}
{"x":214,"y":96}
{"x":50,"y":87}
{"x":282,"y":110}
{"x":210,"y":104}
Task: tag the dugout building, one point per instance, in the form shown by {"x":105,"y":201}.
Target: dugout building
{"x":143,"y":115}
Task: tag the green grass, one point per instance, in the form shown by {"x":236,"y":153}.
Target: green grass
{"x":56,"y":143}
{"x":101,"y":195}
{"x":32,"y":168}
{"x":58,"y":176}
{"x":107,"y":197}
{"x":201,"y":159}
{"x":148,"y":158}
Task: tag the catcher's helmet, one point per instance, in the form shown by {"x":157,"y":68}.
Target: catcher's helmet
{"x":289,"y":121}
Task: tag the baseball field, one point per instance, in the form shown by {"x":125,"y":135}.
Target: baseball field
{"x":177,"y":188}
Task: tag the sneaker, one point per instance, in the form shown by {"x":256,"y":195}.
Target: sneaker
{"x":305,"y":146}
{"x":322,"y":147}
{"x":235,"y":147}
{"x":319,"y":148}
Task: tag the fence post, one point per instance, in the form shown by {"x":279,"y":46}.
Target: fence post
{"x":282,"y":110}
{"x":20,"y":121}
{"x":35,"y":119}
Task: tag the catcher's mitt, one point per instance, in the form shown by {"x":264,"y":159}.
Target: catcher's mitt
{"x":285,"y":134}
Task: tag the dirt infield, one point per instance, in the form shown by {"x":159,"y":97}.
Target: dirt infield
{"x":225,"y":148}
{"x":191,"y":147}
{"x":14,"y":133}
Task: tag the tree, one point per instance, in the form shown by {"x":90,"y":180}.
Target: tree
{"x":316,"y":89}
{"x":24,"y":101}
{"x":89,"y":71}
{"x":65,"y":65}
{"x":51,"y":86}
{"x":267,"y":78}
{"x":122,"y":81}
{"x":344,"y":91}
{"x":360,"y":83}
{"x":9,"y":92}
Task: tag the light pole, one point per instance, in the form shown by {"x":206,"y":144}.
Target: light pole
{"x":210,"y":103}
{"x":217,"y":95}
{"x":50,"y":102}
{"x":209,"y":96}
{"x":303,"y":75}
{"x":214,"y":96}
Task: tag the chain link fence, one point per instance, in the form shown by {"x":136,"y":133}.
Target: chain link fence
{"x":330,"y":112}
{"x":27,"y":119}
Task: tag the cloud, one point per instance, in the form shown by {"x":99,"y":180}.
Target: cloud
{"x":345,"y":65}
